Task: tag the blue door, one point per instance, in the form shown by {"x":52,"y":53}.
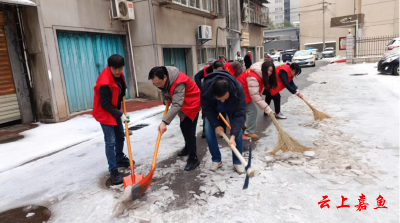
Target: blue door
{"x":83,"y":57}
{"x":175,"y":57}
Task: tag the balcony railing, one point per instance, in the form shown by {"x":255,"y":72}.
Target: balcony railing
{"x":255,"y":14}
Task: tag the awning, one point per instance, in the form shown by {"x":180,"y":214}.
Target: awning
{"x":18,"y":2}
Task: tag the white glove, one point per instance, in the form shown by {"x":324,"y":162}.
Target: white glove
{"x":124,"y":118}
{"x":268,"y":110}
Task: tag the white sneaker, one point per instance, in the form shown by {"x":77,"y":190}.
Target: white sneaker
{"x":215,"y":166}
{"x":239,"y":168}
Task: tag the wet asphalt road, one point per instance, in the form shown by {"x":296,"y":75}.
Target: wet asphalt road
{"x":183,"y":181}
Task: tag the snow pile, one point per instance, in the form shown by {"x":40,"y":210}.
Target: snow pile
{"x":50,"y":138}
{"x":338,"y":157}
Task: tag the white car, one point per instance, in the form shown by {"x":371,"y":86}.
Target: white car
{"x":318,"y":54}
{"x":328,"y":52}
{"x":393,"y":47}
{"x":304,"y":58}
{"x":277,"y":56}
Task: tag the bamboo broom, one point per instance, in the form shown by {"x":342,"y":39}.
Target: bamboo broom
{"x":285,"y":141}
{"x":317,"y":114}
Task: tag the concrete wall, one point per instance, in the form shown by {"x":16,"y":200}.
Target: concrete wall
{"x":43,"y":23}
{"x":381,"y":18}
{"x":311,"y":23}
{"x":39,"y":67}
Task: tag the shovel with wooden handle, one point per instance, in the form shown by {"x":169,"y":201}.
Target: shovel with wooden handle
{"x":141,"y":187}
{"x":249,"y":171}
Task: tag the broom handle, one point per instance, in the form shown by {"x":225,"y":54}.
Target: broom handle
{"x":234,"y":149}
{"x":309,"y":105}
{"x":153,"y":164}
{"x":128,"y":141}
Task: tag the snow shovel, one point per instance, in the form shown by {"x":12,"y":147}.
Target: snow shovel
{"x":141,"y":186}
{"x":132,"y":179}
{"x":249,"y":171}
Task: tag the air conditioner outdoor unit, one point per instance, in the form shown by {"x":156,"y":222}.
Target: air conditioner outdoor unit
{"x":122,"y":10}
{"x":205,"y":32}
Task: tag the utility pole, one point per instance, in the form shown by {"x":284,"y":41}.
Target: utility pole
{"x":323,"y":25}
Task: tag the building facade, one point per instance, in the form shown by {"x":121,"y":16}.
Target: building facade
{"x":276,"y":11}
{"x":375,"y":18}
{"x":281,"y":39}
{"x":66,"y":44}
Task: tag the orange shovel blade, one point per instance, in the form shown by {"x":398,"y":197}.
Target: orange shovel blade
{"x":128,"y":180}
{"x":141,"y":187}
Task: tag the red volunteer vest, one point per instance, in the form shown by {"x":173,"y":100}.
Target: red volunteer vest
{"x":205,"y":72}
{"x":280,"y":86}
{"x":242,"y":79}
{"x":228,"y":67}
{"x":191,"y":102}
{"x":105,"y":78}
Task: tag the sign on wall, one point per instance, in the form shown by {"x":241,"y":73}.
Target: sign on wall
{"x":342,"y":43}
{"x":245,"y":40}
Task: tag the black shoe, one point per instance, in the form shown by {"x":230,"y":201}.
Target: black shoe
{"x":183,"y":152}
{"x":192,"y":163}
{"x":115,"y":177}
{"x":124,"y":162}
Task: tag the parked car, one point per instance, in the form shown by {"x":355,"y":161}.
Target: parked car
{"x":304,"y":58}
{"x":393,"y":47}
{"x":389,"y":64}
{"x":317,"y":54}
{"x":277,"y":56}
{"x":288,"y":54}
{"x":328,"y":52}
{"x":267,"y":57}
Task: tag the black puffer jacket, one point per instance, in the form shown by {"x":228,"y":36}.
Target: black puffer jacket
{"x":235,"y":104}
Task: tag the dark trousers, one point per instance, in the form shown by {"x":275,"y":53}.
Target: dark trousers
{"x":114,"y":137}
{"x":277,"y":101}
{"x":188,"y":128}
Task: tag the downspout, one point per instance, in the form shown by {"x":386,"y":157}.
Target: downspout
{"x":27,"y":64}
{"x":133,"y":61}
{"x":153,"y":31}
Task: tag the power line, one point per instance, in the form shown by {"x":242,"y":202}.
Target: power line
{"x":378,"y":3}
{"x":382,"y":21}
{"x":294,"y":8}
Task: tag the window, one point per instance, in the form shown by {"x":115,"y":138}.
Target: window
{"x":221,"y":51}
{"x":210,"y":54}
{"x":279,"y":17}
{"x":278,"y":1}
{"x":204,"y":5}
{"x":201,"y":56}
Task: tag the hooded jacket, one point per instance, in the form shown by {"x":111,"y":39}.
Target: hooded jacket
{"x":254,"y":86}
{"x":235,"y":105}
{"x":178,"y":97}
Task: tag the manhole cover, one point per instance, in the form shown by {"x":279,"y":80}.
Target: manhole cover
{"x":139,"y":126}
{"x":122,"y":173}
{"x":358,"y":74}
{"x":323,"y":82}
{"x":30,"y":213}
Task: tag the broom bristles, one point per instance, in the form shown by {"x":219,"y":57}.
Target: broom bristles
{"x":285,"y":141}
{"x":317,"y":114}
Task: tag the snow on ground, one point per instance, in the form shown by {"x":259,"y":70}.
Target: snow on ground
{"x":330,"y":59}
{"x":49,"y":138}
{"x":356,"y":152}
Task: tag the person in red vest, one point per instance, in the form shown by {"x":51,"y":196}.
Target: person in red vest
{"x":248,"y":60}
{"x":182,"y":93}
{"x":108,"y":92}
{"x":253,"y":80}
{"x":285,"y":74}
{"x":235,"y":68}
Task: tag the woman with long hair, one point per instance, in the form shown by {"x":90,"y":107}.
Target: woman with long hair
{"x":259,"y":76}
{"x":284,"y":77}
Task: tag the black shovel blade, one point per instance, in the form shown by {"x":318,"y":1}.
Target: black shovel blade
{"x":246,"y":181}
